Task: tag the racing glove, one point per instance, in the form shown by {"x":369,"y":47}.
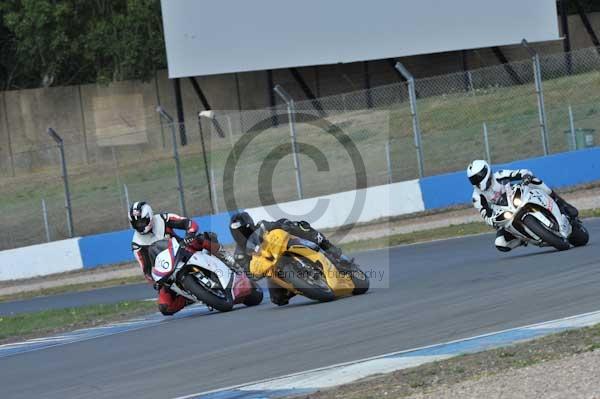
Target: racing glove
{"x":189,"y":238}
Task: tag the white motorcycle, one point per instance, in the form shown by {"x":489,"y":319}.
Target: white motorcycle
{"x":201,"y":277}
{"x":534,"y":217}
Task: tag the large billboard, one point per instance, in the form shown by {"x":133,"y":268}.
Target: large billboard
{"x":220,"y":36}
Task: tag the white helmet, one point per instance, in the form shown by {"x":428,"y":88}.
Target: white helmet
{"x":140,"y":216}
{"x":480,"y":174}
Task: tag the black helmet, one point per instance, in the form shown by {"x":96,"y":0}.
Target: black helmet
{"x":241,"y":226}
{"x":140,"y":216}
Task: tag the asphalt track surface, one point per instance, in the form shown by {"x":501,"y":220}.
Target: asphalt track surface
{"x":438,"y":291}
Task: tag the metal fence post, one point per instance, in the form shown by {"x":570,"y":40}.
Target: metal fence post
{"x":388,"y":158}
{"x":65,"y":176}
{"x":210,"y":115}
{"x":169,"y":119}
{"x":542,"y":108}
{"x":45,"y":214}
{"x":231,"y":140}
{"x":213,"y":188}
{"x":292,"y":122}
{"x":572,"y":128}
{"x":539,"y":91}
{"x":486,"y":142}
{"x":126,"y":192}
{"x":412,"y":94}
{"x":470,"y":78}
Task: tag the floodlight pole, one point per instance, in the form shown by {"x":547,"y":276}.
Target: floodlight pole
{"x":292,"y":122}
{"x":171,"y":122}
{"x":65,"y":176}
{"x":539,"y":91}
{"x":412,"y":94}
{"x":210,"y":115}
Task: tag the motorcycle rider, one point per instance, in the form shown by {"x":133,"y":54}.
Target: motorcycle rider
{"x":488,"y":189}
{"x":150,"y":228}
{"x":247,"y":234}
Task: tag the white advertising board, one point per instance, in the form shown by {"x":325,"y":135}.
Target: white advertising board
{"x":224,"y":36}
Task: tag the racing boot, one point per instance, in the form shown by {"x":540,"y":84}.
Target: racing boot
{"x":335,"y":255}
{"x":564,"y":206}
{"x":279,"y":296}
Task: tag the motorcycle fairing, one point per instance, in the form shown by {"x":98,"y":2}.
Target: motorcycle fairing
{"x":164,"y":264}
{"x":340,"y":284}
{"x":278,"y":242}
{"x":206,"y":261}
{"x":540,"y":198}
{"x":538,"y":204}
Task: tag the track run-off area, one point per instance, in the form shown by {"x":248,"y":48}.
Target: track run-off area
{"x":423,"y":294}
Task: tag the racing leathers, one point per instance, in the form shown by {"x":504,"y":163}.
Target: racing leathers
{"x":301,"y":229}
{"x":485,"y":202}
{"x":163,"y":227}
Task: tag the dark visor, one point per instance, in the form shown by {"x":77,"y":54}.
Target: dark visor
{"x":477,"y":178}
{"x":141,"y":224}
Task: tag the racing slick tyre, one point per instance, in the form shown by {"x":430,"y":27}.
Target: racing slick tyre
{"x":545,"y":234}
{"x":579,"y":236}
{"x":223,"y":303}
{"x":256,"y":297}
{"x":311,"y":285}
{"x":360,"y":280}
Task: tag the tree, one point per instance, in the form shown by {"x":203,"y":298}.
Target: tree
{"x":60,"y":42}
{"x":587,"y":5}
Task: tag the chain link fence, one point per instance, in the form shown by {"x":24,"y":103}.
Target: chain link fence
{"x":236,"y":159}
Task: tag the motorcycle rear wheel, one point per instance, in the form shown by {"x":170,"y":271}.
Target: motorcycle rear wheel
{"x":579,"y":236}
{"x":221,"y":304}
{"x":546,"y":235}
{"x":295,"y":275}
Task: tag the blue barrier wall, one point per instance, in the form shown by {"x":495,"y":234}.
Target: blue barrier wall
{"x":564,"y":169}
{"x":115,"y":247}
{"x":219,"y":224}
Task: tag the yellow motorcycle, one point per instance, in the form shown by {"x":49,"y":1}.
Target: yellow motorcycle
{"x":300,"y":267}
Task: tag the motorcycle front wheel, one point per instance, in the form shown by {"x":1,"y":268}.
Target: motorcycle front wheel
{"x":360,"y":280}
{"x":547,"y":236}
{"x":308,"y":281}
{"x":222,"y":304}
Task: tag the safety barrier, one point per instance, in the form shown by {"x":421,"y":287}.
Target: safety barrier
{"x":559,"y":170}
{"x":39,"y":260}
{"x":380,"y":202}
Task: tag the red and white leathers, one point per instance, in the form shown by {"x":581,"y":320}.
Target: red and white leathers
{"x":163,"y":226}
{"x":485,"y":201}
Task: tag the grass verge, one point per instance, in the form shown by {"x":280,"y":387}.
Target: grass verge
{"x":451,"y":231}
{"x":37,"y":324}
{"x":73,"y":288}
{"x":429,"y":376}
